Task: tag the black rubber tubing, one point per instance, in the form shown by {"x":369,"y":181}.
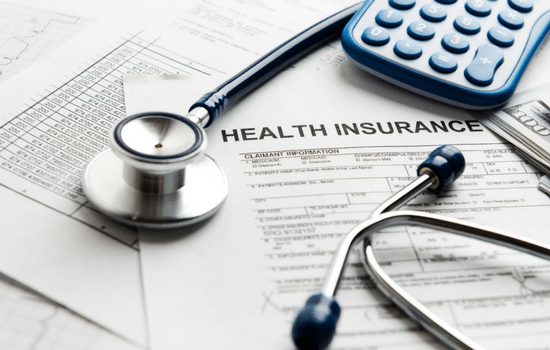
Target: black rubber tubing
{"x":238,"y":86}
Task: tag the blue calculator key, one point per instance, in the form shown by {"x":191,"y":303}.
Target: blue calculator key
{"x":443,"y":62}
{"x":402,"y":4}
{"x":479,"y":8}
{"x":500,"y":36}
{"x":407,"y":49}
{"x":389,"y":18}
{"x":421,"y":30}
{"x":521,"y":5}
{"x":467,"y":24}
{"x":481,"y":70}
{"x":510,"y":19}
{"x":376,"y":36}
{"x":446,"y":2}
{"x":455,"y":43}
{"x":433,"y":13}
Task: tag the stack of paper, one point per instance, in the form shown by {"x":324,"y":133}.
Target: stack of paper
{"x":307,"y":156}
{"x":544,"y":184}
{"x":57,"y":112}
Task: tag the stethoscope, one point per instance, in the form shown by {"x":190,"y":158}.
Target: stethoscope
{"x":315,"y":325}
{"x":156,"y":175}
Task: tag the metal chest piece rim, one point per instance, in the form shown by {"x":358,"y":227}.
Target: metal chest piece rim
{"x":155,"y":175}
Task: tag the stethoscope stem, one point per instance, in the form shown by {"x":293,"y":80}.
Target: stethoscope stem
{"x":400,"y":198}
{"x":146,"y":178}
{"x":403,"y":196}
{"x":315,"y":324}
{"x":407,"y":303}
{"x":199,"y":116}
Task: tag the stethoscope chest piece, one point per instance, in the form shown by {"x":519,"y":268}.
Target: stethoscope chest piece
{"x":156,"y":174}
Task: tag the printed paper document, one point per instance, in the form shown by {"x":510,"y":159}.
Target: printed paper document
{"x":57,"y":115}
{"x":307,"y":157}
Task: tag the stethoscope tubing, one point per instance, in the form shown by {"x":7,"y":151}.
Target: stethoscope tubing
{"x":164,"y":175}
{"x":384,"y":217}
{"x":400,"y":198}
{"x":407,"y":303}
{"x":315,"y":324}
{"x":235,"y":88}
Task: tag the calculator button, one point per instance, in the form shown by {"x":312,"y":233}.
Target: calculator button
{"x":433,"y":13}
{"x":376,"y":36}
{"x":455,"y":43}
{"x":446,"y":2}
{"x":402,"y":4}
{"x":421,"y":30}
{"x":389,"y":18}
{"x":407,"y":49}
{"x":481,"y":70}
{"x":467,"y":24}
{"x":479,"y":8}
{"x":511,"y":19}
{"x":521,"y":5}
{"x":443,"y":62}
{"x":500,"y":36}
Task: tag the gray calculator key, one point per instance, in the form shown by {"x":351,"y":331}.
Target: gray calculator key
{"x":482,"y":69}
{"x":455,"y":43}
{"x":433,"y":12}
{"x":389,"y":18}
{"x":479,"y":8}
{"x":443,"y":62}
{"x":421,"y":30}
{"x":402,"y":4}
{"x":500,"y":36}
{"x":522,"y":5}
{"x":510,"y":19}
{"x":407,"y":49}
{"x":375,"y":36}
{"x":467,"y":24}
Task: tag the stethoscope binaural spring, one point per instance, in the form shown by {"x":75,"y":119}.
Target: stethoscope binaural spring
{"x":156,"y":174}
{"x":315,"y":325}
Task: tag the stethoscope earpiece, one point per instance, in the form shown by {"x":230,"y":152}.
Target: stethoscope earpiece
{"x":315,"y":325}
{"x":155,"y":174}
{"x":446,"y":163}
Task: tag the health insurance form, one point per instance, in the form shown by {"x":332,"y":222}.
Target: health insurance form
{"x":310,"y":155}
{"x":56,"y":115}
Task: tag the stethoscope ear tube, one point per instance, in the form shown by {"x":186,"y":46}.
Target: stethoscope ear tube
{"x":234,"y":89}
{"x":315,"y":324}
{"x":407,"y":303}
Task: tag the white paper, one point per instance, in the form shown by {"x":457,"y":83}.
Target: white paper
{"x":174,"y":96}
{"x":29,"y":33}
{"x":57,"y":114}
{"x":30,"y":322}
{"x":238,"y":280}
{"x":50,"y":240}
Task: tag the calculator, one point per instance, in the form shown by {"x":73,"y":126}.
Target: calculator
{"x":468,"y":53}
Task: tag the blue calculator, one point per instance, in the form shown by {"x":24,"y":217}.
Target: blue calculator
{"x":469,"y":53}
